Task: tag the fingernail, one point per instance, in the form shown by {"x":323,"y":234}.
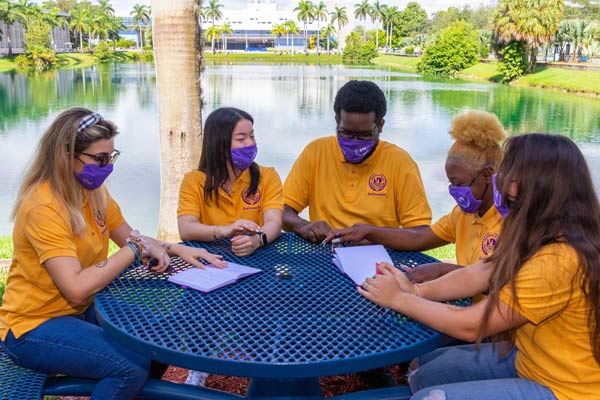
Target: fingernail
{"x":377,"y":264}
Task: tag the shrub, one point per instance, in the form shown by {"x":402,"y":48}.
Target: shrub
{"x":513,"y":62}
{"x":454,"y":49}
{"x":103,"y":52}
{"x":357,"y":51}
{"x":125,"y":43}
{"x":148,"y":56}
{"x":147,"y":48}
{"x":409,"y":51}
{"x":22,"y":61}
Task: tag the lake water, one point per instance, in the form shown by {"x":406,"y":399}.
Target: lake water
{"x":291,"y":105}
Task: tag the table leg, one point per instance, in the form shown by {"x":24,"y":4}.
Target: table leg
{"x":283,"y":389}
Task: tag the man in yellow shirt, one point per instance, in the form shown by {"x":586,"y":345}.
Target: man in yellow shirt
{"x":354,"y":177}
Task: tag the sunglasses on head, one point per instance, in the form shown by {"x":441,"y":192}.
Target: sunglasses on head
{"x":104,"y":159}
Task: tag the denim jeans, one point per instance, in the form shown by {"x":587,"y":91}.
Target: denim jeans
{"x":462,"y":372}
{"x":76,"y":346}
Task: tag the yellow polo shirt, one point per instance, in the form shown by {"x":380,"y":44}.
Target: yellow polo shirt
{"x":384,"y":190}
{"x":43,"y":231}
{"x":234,"y":206}
{"x":475,"y":236}
{"x":554,"y":345}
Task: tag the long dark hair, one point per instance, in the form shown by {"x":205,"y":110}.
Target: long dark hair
{"x":555,"y":203}
{"x":216,"y":151}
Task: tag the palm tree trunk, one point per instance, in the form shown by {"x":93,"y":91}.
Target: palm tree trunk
{"x":328,"y":52}
{"x":364,"y":31}
{"x":81,"y":41}
{"x":178,"y":60}
{"x":213,"y":36}
{"x":532,"y":59}
{"x":318,"y":34}
{"x":377,"y":35}
{"x":10,"y":52}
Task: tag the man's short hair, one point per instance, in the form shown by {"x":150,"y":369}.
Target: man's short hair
{"x":361,"y":97}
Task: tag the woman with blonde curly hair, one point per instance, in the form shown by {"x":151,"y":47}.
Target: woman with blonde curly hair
{"x":474,"y":223}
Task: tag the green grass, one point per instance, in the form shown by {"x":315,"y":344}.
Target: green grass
{"x":274,"y":57}
{"x":446,"y":253}
{"x":7,"y":64}
{"x":399,"y":62}
{"x":6,"y":247}
{"x":3,"y":275}
{"x":563,"y":79}
{"x":482,"y":71}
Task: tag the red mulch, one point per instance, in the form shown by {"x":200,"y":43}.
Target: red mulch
{"x":331,"y":385}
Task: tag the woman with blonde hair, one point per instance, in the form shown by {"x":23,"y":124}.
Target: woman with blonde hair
{"x":63,"y":220}
{"x":473,"y":224}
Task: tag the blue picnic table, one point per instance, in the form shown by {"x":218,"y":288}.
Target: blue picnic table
{"x":298,"y":320}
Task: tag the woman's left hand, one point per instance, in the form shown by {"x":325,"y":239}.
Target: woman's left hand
{"x":383,"y":289}
{"x":192,"y":254}
{"x":244,"y":245}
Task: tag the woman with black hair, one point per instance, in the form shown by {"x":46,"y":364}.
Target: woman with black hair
{"x":229,"y":195}
{"x":543,"y":284}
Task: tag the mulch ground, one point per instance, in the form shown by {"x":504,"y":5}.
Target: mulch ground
{"x":331,"y":385}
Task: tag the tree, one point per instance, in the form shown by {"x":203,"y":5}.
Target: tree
{"x":454,"y":49}
{"x":305,"y":14}
{"x":213,"y":11}
{"x":390,"y":16}
{"x":141,"y":17}
{"x":533,"y":22}
{"x":291,"y":27}
{"x":328,"y":31}
{"x":213,"y":34}
{"x":278,"y":30}
{"x":106,"y":8}
{"x":225,"y":30}
{"x":361,"y":11}
{"x":340,"y":16}
{"x":79,"y":23}
{"x":9,"y":14}
{"x":377,"y":14}
{"x":320,"y":14}
{"x":176,"y":31}
{"x":411,"y":20}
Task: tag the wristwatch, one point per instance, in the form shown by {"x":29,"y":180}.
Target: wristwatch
{"x":263,"y":238}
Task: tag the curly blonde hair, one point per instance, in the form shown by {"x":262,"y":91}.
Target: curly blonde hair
{"x":477,"y":136}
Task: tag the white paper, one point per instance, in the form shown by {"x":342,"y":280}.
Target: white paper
{"x":358,"y":262}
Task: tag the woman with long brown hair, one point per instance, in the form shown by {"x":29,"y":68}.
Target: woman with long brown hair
{"x":543,"y":280}
{"x":64,"y":218}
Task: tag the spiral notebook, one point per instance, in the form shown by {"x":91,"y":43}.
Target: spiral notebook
{"x":358,"y":262}
{"x":212,"y":278}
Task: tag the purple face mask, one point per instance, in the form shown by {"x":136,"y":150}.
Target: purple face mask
{"x":243,"y":157}
{"x":355,"y":150}
{"x":464,"y":198}
{"x":92,"y":176}
{"x":499,"y":203}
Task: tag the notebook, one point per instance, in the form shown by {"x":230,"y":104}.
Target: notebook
{"x":358,"y":262}
{"x":212,"y":278}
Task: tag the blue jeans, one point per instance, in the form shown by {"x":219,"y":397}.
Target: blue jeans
{"x":76,"y":346}
{"x":462,"y":372}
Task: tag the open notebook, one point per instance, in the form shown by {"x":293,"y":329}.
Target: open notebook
{"x":211,"y":278}
{"x":358,"y":262}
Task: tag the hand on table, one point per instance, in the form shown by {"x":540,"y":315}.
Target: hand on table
{"x":355,"y":234}
{"x":315,"y":231}
{"x":239,"y":227}
{"x":244,"y":245}
{"x":192,"y":254}
{"x":386,"y":288}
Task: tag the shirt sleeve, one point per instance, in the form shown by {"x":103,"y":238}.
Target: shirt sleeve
{"x":544,"y":284}
{"x":412,"y":208}
{"x":296,"y":189}
{"x":114,"y":217}
{"x":190,"y":196}
{"x":445,"y":227}
{"x":272,"y":189}
{"x":49,"y":232}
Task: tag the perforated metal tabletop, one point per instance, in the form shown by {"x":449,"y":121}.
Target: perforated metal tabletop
{"x":299,"y":318}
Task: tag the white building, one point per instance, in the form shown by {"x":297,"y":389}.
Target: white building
{"x":252,"y":27}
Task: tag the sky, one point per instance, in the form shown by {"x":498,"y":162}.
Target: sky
{"x":124,"y":7}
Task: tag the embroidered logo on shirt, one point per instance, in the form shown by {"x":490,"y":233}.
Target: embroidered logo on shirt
{"x":377,"y":182}
{"x":251,"y":199}
{"x":99,"y":218}
{"x":488,"y":243}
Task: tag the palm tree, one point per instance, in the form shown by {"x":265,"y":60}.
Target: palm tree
{"x":212,"y":34}
{"x":106,"y":8}
{"x":225,"y":29}
{"x":328,"y":30}
{"x":339,"y":15}
{"x":377,"y":14}
{"x":532,"y":22}
{"x":176,"y":32}
{"x":305,"y":13}
{"x":291,"y":27}
{"x":361,"y":11}
{"x":213,"y":11}
{"x":390,"y":17}
{"x":141,"y":16}
{"x":278,"y":30}
{"x":9,"y":14}
{"x":79,"y":23}
{"x":320,"y":14}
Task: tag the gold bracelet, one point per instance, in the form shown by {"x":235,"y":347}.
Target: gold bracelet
{"x":215,"y":233}
{"x":418,"y":290}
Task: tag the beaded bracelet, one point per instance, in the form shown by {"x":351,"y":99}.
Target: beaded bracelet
{"x":142,"y":243}
{"x":136,"y":253}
